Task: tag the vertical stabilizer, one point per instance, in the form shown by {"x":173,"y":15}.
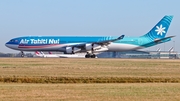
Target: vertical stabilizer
{"x":160,"y":29}
{"x":171,"y":49}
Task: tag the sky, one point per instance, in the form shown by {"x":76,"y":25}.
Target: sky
{"x":86,"y":18}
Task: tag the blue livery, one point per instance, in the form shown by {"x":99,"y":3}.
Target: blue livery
{"x":93,"y":44}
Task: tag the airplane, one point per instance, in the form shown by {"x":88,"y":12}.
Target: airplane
{"x":50,"y":55}
{"x":93,"y":44}
{"x":41,"y":54}
{"x":158,"y":50}
{"x":171,"y":49}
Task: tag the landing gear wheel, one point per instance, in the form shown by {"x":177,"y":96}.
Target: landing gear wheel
{"x":90,"y":56}
{"x":87,"y":56}
{"x":93,"y":56}
{"x":22,"y":54}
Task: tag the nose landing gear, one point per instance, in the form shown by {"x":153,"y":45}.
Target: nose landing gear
{"x":22,"y":54}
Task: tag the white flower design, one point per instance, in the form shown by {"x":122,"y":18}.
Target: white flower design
{"x":160,"y":30}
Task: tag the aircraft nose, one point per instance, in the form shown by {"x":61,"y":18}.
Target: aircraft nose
{"x":7,"y":44}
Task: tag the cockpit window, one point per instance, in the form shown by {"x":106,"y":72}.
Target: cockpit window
{"x":11,"y":40}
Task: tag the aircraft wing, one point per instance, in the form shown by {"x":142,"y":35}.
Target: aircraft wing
{"x":109,"y":41}
{"x":93,"y":46}
{"x":106,"y":42}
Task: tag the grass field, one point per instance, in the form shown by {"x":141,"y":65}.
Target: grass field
{"x":89,"y":79}
{"x":90,"y":92}
{"x":54,"y":70}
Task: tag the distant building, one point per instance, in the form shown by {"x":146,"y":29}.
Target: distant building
{"x":142,"y":54}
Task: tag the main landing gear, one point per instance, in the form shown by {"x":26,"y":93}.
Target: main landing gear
{"x":88,"y":55}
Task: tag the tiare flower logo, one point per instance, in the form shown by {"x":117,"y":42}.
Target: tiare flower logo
{"x":160,"y":30}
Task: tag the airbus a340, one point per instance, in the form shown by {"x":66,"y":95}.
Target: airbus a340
{"x":93,"y":44}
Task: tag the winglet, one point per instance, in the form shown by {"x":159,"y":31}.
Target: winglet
{"x":121,"y":37}
{"x":36,"y":52}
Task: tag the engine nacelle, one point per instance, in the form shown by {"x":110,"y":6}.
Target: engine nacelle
{"x":72,"y":50}
{"x":92,"y":47}
{"x":96,"y":46}
{"x":75,"y":50}
{"x":88,"y":47}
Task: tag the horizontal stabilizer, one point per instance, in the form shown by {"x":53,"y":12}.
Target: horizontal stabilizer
{"x":159,"y":40}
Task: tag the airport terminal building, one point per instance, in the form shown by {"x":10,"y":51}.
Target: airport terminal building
{"x":154,"y":55}
{"x":142,"y":54}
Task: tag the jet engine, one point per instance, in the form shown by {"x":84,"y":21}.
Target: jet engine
{"x":72,"y":50}
{"x":92,"y":47}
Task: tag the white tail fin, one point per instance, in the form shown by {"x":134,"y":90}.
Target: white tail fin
{"x":158,"y":50}
{"x":50,"y":52}
{"x":171,"y":49}
{"x":37,"y":53}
